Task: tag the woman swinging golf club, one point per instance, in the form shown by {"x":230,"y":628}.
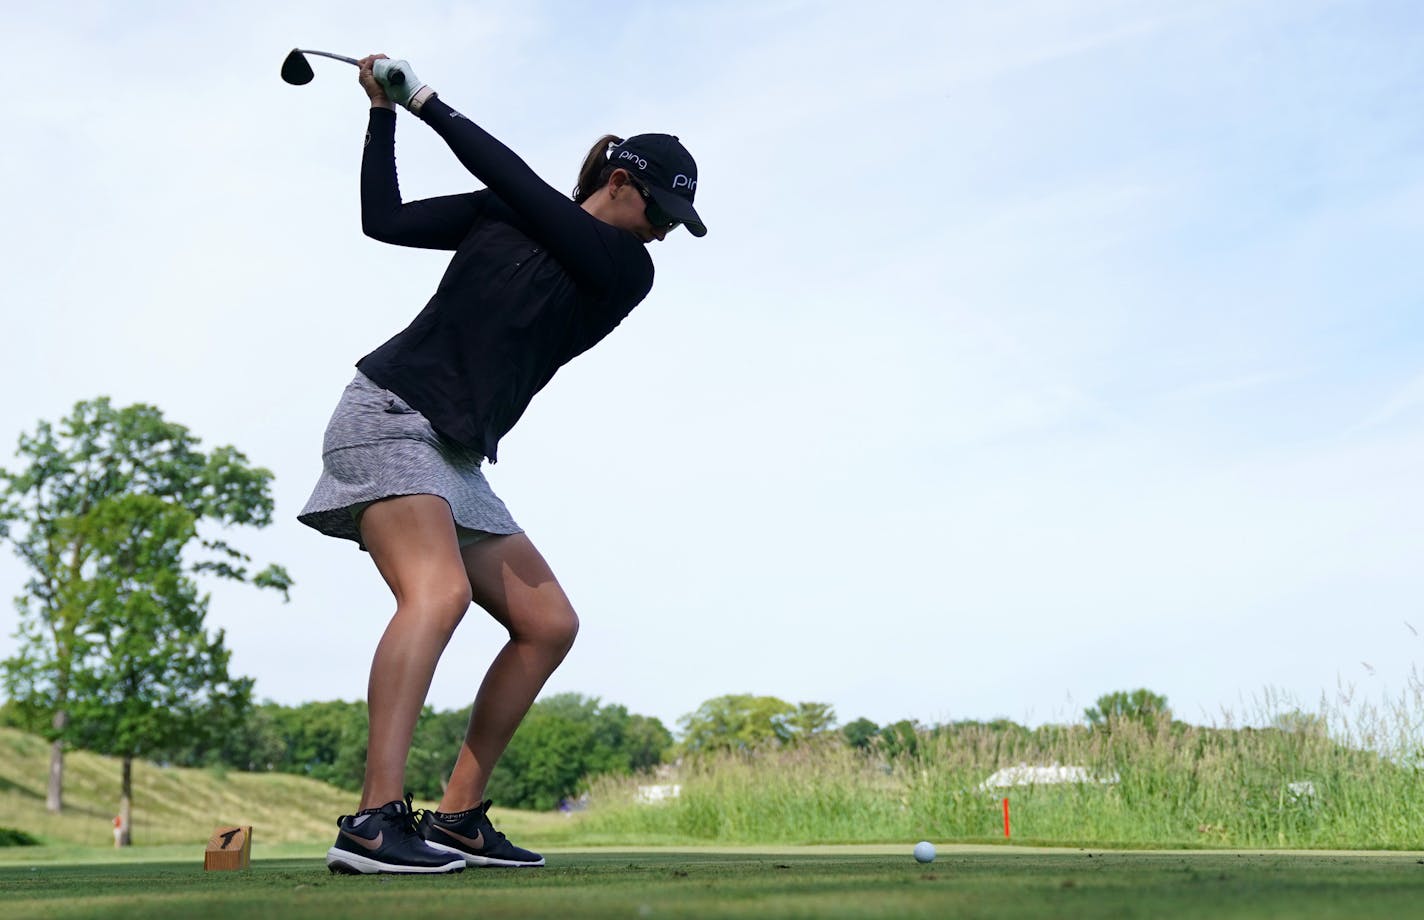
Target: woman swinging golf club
{"x":536,"y":279}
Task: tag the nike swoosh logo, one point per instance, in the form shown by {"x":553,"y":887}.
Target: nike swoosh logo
{"x":477,"y":844}
{"x":362,"y":841}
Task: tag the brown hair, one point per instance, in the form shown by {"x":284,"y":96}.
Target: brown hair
{"x":596,"y":169}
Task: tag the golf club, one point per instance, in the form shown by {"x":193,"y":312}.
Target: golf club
{"x":297,"y":71}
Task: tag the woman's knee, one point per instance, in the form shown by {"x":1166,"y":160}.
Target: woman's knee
{"x":446,"y":600}
{"x":553,"y":628}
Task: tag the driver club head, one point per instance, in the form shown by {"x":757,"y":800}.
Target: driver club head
{"x":296,"y":70}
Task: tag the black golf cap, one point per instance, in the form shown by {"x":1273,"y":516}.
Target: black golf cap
{"x":661,"y":163}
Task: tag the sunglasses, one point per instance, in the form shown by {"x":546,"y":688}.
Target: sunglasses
{"x":656,"y":215}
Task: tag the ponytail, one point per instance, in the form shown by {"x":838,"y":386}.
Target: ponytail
{"x":596,"y":169}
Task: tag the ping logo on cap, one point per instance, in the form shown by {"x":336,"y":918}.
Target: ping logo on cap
{"x":681,"y":181}
{"x":630,"y":155}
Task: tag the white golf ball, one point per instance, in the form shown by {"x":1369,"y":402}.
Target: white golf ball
{"x":924,"y":851}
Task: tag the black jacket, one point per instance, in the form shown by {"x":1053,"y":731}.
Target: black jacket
{"x":535,"y":281}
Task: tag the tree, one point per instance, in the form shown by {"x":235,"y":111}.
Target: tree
{"x":567,"y":738}
{"x":646,"y":741}
{"x":256,"y":745}
{"x":1141,"y":706}
{"x":861,"y":733}
{"x":437,"y":740}
{"x":810,"y":720}
{"x":736,"y":722}
{"x":145,"y":676}
{"x":326,"y":741}
{"x":64,"y":514}
{"x":543,"y":763}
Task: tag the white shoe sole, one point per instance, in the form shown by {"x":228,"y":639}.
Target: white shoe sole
{"x":339,"y":860}
{"x":485,"y":862}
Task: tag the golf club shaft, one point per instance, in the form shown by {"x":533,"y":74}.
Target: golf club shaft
{"x":335,"y":57}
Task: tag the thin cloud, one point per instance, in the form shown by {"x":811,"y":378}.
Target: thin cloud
{"x":1406,"y":402}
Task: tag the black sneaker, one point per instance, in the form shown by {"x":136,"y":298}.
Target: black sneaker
{"x":471,"y":835}
{"x":385,"y":839}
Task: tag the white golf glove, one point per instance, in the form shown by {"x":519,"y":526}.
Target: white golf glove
{"x":401,"y":84}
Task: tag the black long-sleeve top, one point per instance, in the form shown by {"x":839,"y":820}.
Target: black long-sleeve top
{"x":535,"y":281}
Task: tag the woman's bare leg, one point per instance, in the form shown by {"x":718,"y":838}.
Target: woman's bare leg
{"x":509,"y":578}
{"x":412,"y":540}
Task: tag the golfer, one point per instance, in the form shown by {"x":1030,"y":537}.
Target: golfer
{"x":536,"y":279}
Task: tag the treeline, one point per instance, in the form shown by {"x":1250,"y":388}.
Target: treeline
{"x":564,"y":739}
{"x":563,"y":742}
{"x":568,"y":739}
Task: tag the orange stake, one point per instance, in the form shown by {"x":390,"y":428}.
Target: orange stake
{"x":1006,"y":817}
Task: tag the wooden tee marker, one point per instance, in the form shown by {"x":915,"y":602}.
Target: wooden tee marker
{"x":229,"y":848}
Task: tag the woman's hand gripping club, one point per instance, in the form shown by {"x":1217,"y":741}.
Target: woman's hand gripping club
{"x":387,"y":81}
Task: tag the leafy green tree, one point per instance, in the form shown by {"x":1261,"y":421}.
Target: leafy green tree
{"x":543,"y":763}
{"x":861,"y":733}
{"x":603,"y":729}
{"x":810,"y":720}
{"x":61,"y":513}
{"x":567,"y":738}
{"x":437,"y":740}
{"x":256,"y":744}
{"x":326,"y":741}
{"x":646,"y":741}
{"x":736,"y":722}
{"x":145,"y":676}
{"x":1141,"y":706}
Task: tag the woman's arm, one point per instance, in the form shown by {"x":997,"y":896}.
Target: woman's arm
{"x":571,"y":234}
{"x":434,"y":223}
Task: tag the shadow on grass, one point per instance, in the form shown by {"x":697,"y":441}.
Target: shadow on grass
{"x":7,"y":785}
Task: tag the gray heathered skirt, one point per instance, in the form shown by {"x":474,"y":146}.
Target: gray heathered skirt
{"x":376,"y":446}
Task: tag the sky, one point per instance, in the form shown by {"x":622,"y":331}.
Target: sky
{"x":1036,"y":350}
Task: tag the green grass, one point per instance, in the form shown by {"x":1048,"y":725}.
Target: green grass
{"x":819,"y":882}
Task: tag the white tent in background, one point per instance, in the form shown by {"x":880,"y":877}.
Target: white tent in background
{"x":652,"y":795}
{"x":1039,"y":775}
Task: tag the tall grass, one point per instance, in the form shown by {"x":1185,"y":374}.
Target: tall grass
{"x":1349,"y":776}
